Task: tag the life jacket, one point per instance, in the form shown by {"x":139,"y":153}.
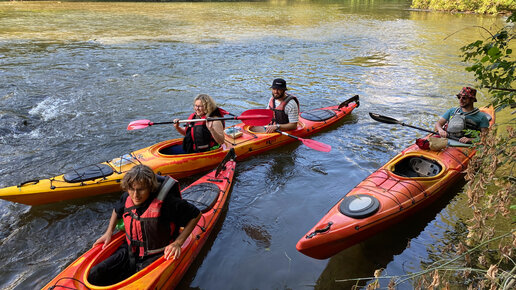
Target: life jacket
{"x":197,"y":136}
{"x":148,"y":233}
{"x":280,"y":117}
{"x":458,"y":123}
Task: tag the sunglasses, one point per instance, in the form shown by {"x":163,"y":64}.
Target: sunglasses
{"x":462,"y":97}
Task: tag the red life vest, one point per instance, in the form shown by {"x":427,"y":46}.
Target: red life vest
{"x":148,"y":233}
{"x":197,"y":136}
{"x":280,"y":117}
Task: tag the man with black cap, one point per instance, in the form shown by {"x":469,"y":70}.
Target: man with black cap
{"x":463,"y":117}
{"x":285,"y":107}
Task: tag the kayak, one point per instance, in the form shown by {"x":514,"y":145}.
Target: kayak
{"x":163,"y":158}
{"x":406,"y":184}
{"x":209,"y":193}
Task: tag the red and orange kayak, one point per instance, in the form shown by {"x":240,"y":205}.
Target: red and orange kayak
{"x":407,"y":183}
{"x":210,"y":193}
{"x":105,"y":177}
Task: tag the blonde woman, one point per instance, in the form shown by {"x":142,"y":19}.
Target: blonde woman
{"x":206,"y":135}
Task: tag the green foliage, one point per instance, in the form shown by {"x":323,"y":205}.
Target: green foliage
{"x":478,"y":6}
{"x":493,"y":64}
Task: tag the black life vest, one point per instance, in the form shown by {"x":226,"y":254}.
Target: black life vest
{"x":148,"y":233}
{"x":280,"y":117}
{"x":197,"y":136}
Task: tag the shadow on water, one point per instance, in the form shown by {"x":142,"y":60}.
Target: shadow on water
{"x":361,"y":260}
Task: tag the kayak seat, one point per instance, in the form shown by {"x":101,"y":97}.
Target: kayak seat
{"x":202,"y":195}
{"x":318,"y":115}
{"x":88,"y":173}
{"x":416,"y":167}
{"x":424,"y":167}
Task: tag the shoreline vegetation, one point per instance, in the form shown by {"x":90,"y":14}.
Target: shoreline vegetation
{"x":466,"y":6}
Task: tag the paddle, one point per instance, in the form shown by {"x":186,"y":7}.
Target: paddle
{"x":389,"y":120}
{"x":254,"y":117}
{"x":310,"y":143}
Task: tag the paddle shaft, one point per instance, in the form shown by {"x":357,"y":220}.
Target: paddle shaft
{"x":287,"y":134}
{"x":428,"y":131}
{"x":389,"y":120}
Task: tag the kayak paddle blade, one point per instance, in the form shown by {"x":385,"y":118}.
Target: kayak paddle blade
{"x":256,"y":117}
{"x":383,"y":119}
{"x":139,"y":124}
{"x":316,"y":145}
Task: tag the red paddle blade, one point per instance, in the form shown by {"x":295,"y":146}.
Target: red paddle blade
{"x":256,"y":117}
{"x":316,"y":145}
{"x":139,"y":124}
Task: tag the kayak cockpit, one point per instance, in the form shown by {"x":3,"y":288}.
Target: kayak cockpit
{"x":416,"y":166}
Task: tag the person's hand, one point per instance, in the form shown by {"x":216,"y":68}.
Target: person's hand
{"x":465,"y":140}
{"x":271,"y":128}
{"x":176,"y":123}
{"x":105,"y":238}
{"x":442,"y":133}
{"x":172,"y":251}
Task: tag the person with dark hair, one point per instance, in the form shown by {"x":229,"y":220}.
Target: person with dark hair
{"x":206,"y":135}
{"x":153,"y":212}
{"x":456,"y":120}
{"x":285,"y":107}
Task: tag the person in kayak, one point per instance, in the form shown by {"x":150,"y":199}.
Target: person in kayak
{"x":285,"y":107}
{"x":466,"y":116}
{"x":152,"y":216}
{"x":202,"y":136}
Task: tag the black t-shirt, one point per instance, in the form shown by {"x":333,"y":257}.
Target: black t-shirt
{"x":174,"y":209}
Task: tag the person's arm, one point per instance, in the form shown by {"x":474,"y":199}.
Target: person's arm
{"x":106,"y":237}
{"x":439,"y":127}
{"x":174,"y":249}
{"x":217,"y":130}
{"x":281,"y":127}
{"x":179,"y":129}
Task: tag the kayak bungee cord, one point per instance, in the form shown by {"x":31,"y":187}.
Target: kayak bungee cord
{"x":66,"y":287}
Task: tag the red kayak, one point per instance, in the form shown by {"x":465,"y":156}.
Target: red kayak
{"x":209,"y":193}
{"x":405,"y":185}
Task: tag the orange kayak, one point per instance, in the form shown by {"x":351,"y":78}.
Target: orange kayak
{"x":405,"y":185}
{"x":210,"y":193}
{"x":105,"y":177}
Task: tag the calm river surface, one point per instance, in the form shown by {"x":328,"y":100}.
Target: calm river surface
{"x":73,"y":75}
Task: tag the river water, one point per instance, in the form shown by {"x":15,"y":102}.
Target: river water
{"x":74,"y":74}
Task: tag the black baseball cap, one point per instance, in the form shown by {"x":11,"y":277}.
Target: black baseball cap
{"x":280,"y":84}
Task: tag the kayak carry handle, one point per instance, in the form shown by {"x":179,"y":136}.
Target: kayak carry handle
{"x":34,"y":181}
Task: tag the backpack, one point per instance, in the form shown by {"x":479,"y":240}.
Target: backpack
{"x":458,"y":123}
